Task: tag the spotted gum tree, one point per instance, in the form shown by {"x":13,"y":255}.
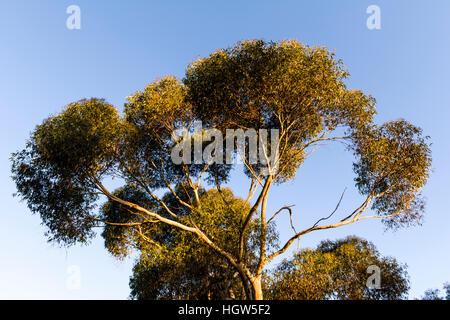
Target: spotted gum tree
{"x":63,"y":171}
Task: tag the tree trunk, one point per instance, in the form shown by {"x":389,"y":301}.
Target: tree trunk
{"x":252,"y":285}
{"x":257,"y":288}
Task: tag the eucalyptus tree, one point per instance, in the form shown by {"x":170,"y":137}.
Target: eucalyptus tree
{"x":292,"y":90}
{"x":340,"y":269}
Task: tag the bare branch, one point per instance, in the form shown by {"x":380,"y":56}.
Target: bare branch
{"x":335,"y":209}
{"x":358,"y":211}
{"x":288,"y":208}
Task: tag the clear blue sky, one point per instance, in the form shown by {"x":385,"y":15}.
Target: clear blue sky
{"x":124,"y":45}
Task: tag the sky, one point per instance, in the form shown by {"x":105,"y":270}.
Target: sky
{"x":124,"y":45}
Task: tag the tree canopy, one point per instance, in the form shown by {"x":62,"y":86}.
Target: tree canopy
{"x":434,"y":294}
{"x":297,"y":91}
{"x":181,"y":267}
{"x":338,"y":270}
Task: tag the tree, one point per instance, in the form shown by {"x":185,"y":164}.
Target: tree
{"x":447,"y":290}
{"x":337,"y":270}
{"x":295,"y":92}
{"x":182,"y":267}
{"x":434,"y":294}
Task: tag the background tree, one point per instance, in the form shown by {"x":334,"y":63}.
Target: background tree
{"x":178,"y":266}
{"x":337,"y":270}
{"x":69,"y":160}
{"x":434,"y":294}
